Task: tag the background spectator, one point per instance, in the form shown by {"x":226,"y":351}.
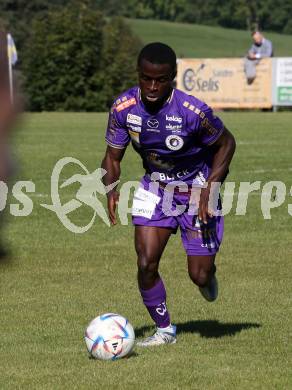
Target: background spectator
{"x":260,"y":48}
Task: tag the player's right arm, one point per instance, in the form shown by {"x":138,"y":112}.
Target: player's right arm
{"x":117,"y":138}
{"x":111,"y":163}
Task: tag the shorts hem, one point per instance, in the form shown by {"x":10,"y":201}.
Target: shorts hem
{"x":202,"y":253}
{"x":154,"y":224}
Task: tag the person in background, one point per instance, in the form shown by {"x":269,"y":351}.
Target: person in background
{"x":260,"y":48}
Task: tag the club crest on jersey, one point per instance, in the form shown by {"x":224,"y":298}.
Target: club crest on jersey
{"x":174,"y":142}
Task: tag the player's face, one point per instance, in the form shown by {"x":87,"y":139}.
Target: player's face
{"x":155,"y":81}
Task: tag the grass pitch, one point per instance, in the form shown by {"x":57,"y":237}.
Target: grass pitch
{"x":57,"y":281}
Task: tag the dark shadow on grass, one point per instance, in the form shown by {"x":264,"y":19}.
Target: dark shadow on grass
{"x":206,"y":328}
{"x":5,"y":257}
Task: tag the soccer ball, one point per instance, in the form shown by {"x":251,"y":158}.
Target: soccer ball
{"x":109,"y":337}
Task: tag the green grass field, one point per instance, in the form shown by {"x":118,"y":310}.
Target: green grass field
{"x":198,"y":41}
{"x":57,"y":281}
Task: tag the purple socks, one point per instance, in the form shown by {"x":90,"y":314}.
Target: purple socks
{"x":155,"y":301}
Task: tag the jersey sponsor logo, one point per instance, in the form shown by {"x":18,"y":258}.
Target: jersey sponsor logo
{"x":134,"y":119}
{"x":139,"y":211}
{"x":153,"y":123}
{"x":181,"y":174}
{"x":175,"y":128}
{"x":174,"y":142}
{"x":126,"y":104}
{"x":209,"y":127}
{"x":173,"y":176}
{"x":146,"y":195}
{"x":173,"y":118}
{"x":134,"y":128}
{"x":144,"y":203}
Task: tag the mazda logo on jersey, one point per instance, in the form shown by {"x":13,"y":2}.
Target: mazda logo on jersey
{"x":174,"y":142}
{"x":153,"y":123}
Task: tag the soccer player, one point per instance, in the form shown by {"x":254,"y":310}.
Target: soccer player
{"x":182,"y":146}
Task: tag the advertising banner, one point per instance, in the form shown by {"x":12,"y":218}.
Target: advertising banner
{"x":282,"y":81}
{"x":222,"y":83}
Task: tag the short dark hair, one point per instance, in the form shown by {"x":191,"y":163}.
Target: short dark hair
{"x":158,"y":53}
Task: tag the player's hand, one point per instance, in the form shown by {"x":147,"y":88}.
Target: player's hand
{"x":204,"y":212}
{"x":251,"y":56}
{"x":112,"y":201}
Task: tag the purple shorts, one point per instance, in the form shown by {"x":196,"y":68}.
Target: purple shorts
{"x":159,"y":207}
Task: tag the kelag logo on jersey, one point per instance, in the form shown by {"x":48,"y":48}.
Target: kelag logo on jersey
{"x":173,"y":118}
{"x":193,"y":82}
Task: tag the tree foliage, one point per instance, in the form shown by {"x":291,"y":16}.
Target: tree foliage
{"x":18,"y":14}
{"x":273,"y":15}
{"x":75,"y":60}
{"x":118,"y":58}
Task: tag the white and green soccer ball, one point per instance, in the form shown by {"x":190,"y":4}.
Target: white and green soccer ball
{"x":109,"y":337}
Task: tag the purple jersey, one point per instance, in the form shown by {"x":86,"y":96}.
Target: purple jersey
{"x":174,"y":143}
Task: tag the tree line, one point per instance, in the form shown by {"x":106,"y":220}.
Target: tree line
{"x":271,"y":15}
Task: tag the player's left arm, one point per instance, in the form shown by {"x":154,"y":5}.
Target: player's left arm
{"x":224,"y":148}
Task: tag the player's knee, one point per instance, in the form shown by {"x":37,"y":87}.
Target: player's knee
{"x":199,"y":276}
{"x":147,"y":265}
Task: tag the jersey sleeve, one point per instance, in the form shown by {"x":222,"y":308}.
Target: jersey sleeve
{"x":211,"y":127}
{"x":117,"y":134}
